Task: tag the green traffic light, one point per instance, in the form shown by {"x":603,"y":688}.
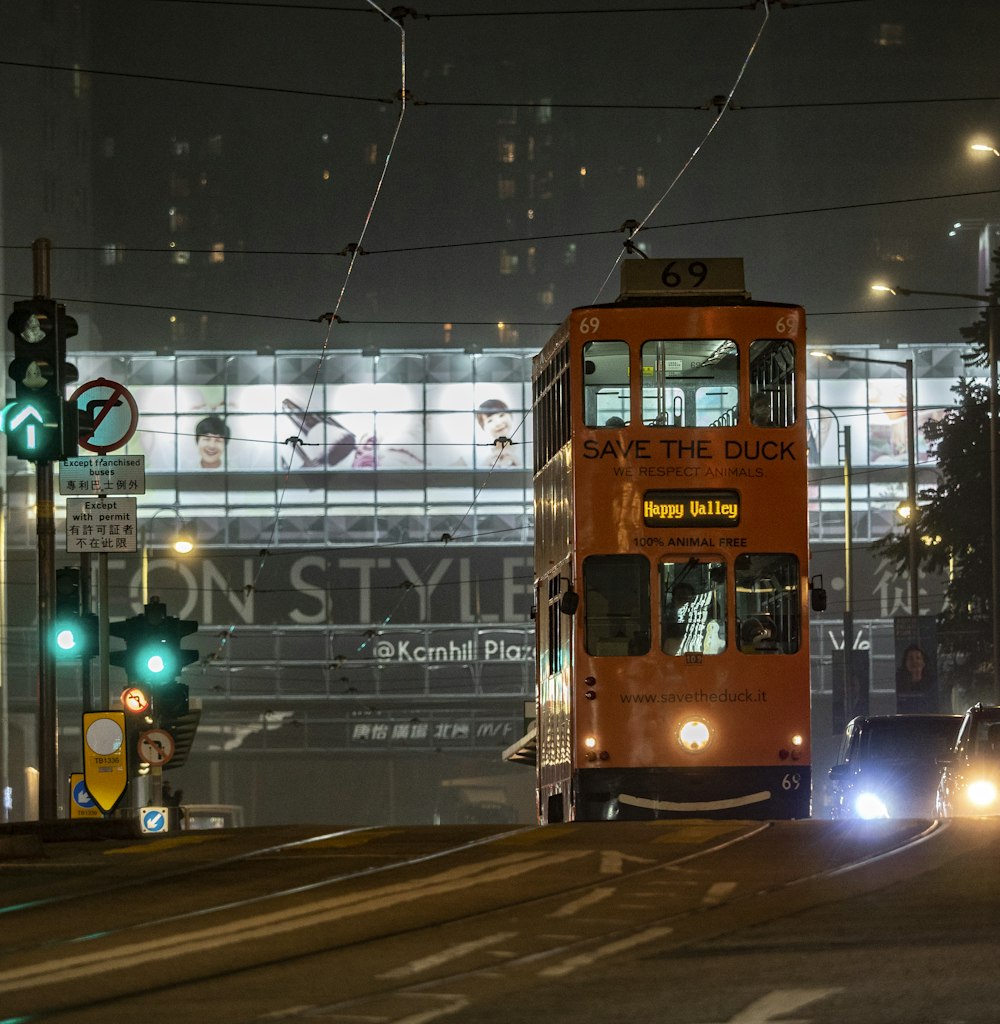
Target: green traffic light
{"x":66,"y":640}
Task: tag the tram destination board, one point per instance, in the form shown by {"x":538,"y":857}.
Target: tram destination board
{"x":691,"y":508}
{"x":683,"y":278}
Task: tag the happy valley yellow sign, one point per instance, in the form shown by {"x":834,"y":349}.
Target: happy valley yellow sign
{"x":691,"y":508}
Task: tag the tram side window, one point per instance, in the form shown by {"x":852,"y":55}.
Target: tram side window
{"x":693,"y":607}
{"x":767,"y":604}
{"x":605,"y":384}
{"x":772,"y":383}
{"x":616,"y":605}
{"x":690,"y":382}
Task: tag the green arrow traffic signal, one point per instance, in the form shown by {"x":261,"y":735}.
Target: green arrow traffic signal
{"x":34,"y":428}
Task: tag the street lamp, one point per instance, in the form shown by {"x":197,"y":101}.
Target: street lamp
{"x":984,"y":147}
{"x":992,"y":320}
{"x":181,"y":541}
{"x":911,"y":466}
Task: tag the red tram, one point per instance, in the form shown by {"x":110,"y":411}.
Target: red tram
{"x":671,"y":553}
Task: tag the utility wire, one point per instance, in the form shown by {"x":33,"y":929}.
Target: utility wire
{"x":414,"y":101}
{"x":511,"y":240}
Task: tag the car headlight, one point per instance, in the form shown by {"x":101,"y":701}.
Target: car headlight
{"x":869,"y":806}
{"x":982,"y":793}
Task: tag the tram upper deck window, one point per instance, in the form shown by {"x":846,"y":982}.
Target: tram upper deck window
{"x":693,"y":607}
{"x":605,"y":384}
{"x":767,"y":604}
{"x":616,"y":605}
{"x":772,"y":382}
{"x":690,"y":382}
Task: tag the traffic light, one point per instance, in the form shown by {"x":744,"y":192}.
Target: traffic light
{"x":74,"y":631}
{"x":153,"y":655}
{"x":40,"y":424}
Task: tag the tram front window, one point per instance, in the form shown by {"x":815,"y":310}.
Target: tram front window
{"x":690,"y":383}
{"x":767,"y":604}
{"x":693,"y":607}
{"x":606,"y":385}
{"x":616,"y":605}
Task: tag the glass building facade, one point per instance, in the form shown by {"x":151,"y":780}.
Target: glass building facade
{"x":363,"y":569}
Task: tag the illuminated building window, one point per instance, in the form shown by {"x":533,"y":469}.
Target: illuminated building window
{"x":178,"y":220}
{"x":547,"y":296}
{"x":214,"y":146}
{"x":543,"y":112}
{"x":180,"y":147}
{"x":112,"y":255}
{"x":180,"y":257}
{"x":506,"y":188}
{"x":218,"y":253}
{"x":508,"y":262}
{"x":569,"y":256}
{"x":891,"y":35}
{"x":508,"y":151}
{"x":640,"y":178}
{"x":371,"y":152}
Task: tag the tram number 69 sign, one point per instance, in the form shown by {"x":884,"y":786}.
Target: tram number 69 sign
{"x":156,"y":747}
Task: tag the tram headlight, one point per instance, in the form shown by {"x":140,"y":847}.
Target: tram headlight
{"x":982,"y":793}
{"x":694,"y":735}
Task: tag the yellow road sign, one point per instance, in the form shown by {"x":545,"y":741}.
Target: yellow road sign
{"x":104,"y":757}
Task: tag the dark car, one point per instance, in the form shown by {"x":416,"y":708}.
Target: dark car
{"x":970,"y":779}
{"x":889,"y":765}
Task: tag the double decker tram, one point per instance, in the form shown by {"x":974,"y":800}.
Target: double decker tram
{"x":671,"y":553}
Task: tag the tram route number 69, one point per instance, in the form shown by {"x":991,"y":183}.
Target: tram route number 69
{"x":791,"y":782}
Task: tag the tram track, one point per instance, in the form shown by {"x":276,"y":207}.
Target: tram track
{"x":525,"y":901}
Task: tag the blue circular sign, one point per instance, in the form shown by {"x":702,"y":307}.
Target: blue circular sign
{"x":154,"y":820}
{"x":82,"y":797}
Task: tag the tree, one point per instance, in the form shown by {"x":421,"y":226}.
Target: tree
{"x":955,"y":522}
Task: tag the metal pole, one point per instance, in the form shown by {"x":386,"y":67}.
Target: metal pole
{"x":86,"y":602}
{"x":850,"y":683}
{"x":992,"y":314}
{"x":45,"y":526}
{"x":911,"y":493}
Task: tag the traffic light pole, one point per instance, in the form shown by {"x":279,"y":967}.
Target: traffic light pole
{"x":45,"y":520}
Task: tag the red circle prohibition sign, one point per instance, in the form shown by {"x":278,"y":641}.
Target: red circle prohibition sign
{"x":116,"y":410}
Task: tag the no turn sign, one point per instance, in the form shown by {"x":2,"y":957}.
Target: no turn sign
{"x":108,"y":415}
{"x":156,"y":746}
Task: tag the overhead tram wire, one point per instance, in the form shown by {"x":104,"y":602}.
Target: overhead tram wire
{"x":550,"y":12}
{"x":629,"y":245}
{"x":333,"y":317}
{"x":555,"y":236}
{"x":414,"y":101}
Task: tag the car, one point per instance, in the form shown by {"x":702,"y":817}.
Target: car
{"x":970,"y":776}
{"x":889,"y":765}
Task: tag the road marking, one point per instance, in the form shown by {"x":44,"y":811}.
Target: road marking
{"x":587,"y":900}
{"x":586,"y":959}
{"x":612,"y":861}
{"x":101,"y":960}
{"x":444,"y":956}
{"x":717,"y":893}
{"x":779,"y":1002}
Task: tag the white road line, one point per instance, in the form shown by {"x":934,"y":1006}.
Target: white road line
{"x":780,"y":1002}
{"x":612,"y":861}
{"x":586,"y":959}
{"x":717,"y":893}
{"x":101,"y":960}
{"x":445,"y":956}
{"x":587,"y":900}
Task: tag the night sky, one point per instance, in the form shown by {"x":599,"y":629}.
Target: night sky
{"x":846,"y":160}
